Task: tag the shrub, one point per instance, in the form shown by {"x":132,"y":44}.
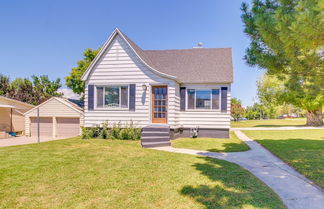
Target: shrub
{"x":86,"y":133}
{"x":128,"y":131}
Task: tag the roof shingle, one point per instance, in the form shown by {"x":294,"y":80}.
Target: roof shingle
{"x":197,"y":65}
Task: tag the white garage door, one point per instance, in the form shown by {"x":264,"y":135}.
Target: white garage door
{"x":45,"y":126}
{"x":68,"y":127}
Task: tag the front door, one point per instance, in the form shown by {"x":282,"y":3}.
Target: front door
{"x":159,"y":104}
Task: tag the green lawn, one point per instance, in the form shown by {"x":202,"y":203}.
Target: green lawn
{"x":268,"y":123}
{"x":233,"y":144}
{"x":302,"y":149}
{"x":95,"y":173}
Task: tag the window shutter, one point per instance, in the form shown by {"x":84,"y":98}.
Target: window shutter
{"x":132,"y":97}
{"x":191,"y":94}
{"x":215,"y":99}
{"x":224,"y":99}
{"x":182,"y":98}
{"x":90,"y":97}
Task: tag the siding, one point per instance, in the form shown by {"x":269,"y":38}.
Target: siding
{"x":120,"y":65}
{"x":52,"y":108}
{"x":206,"y":119}
{"x":18,"y":123}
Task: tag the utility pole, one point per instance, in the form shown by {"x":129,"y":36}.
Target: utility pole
{"x":38,"y":129}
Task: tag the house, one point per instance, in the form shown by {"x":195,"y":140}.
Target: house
{"x":11,"y":116}
{"x":169,"y":93}
{"x":57,"y":118}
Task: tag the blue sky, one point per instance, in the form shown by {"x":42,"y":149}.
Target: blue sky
{"x":48,"y":37}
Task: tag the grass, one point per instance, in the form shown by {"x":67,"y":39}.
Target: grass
{"x":302,"y":149}
{"x":75,"y":173}
{"x":233,"y":144}
{"x":268,"y":123}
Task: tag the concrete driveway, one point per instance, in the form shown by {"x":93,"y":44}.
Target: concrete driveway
{"x":24,"y":140}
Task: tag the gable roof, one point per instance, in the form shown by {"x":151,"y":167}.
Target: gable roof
{"x":62,"y":100}
{"x":9,"y":100}
{"x":198,"y":65}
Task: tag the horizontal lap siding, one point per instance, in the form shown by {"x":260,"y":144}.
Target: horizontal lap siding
{"x":119,"y":65}
{"x":53,"y":108}
{"x":206,"y":119}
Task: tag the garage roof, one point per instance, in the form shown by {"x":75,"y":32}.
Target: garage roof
{"x":62,"y":100}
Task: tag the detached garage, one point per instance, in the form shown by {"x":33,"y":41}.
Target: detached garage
{"x":57,"y":118}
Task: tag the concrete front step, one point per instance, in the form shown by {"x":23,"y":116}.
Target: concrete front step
{"x":154,"y":133}
{"x":155,"y":136}
{"x":155,"y":139}
{"x":155,"y":144}
{"x":158,"y":129}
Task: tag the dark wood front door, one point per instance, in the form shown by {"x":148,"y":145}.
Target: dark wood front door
{"x":159,"y":104}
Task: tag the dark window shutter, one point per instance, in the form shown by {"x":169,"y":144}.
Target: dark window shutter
{"x":215,"y":99}
{"x":191,"y":97}
{"x":182,"y":98}
{"x":132,"y":97}
{"x":90,"y":97}
{"x":224,"y":99}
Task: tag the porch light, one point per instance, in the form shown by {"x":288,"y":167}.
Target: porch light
{"x":144,"y":87}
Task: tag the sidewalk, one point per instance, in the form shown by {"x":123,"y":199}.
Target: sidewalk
{"x":296,"y":191}
{"x":278,"y":128}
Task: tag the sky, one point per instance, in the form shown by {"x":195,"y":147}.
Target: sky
{"x":45,"y":37}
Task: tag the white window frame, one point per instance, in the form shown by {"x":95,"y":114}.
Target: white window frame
{"x":211,"y":97}
{"x":112,"y":108}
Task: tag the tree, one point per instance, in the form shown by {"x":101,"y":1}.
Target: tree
{"x":287,"y":40}
{"x":33,"y":92}
{"x":269,"y":89}
{"x":4,"y":85}
{"x":255,"y":112}
{"x":44,"y":88}
{"x":22,"y":90}
{"x":236,"y":109}
{"x":74,"y":81}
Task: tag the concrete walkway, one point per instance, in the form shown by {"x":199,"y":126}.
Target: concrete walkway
{"x":296,"y":191}
{"x":279,"y":128}
{"x":21,"y":140}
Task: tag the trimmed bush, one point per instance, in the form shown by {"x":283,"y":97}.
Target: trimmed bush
{"x":127,"y":131}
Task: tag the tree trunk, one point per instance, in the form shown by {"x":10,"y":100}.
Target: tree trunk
{"x":314,"y":117}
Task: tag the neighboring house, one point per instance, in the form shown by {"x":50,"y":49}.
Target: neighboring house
{"x":11,"y":115}
{"x":57,"y":118}
{"x":183,"y":89}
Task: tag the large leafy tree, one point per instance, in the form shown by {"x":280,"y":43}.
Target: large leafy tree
{"x":45,"y":88}
{"x":22,"y":89}
{"x":33,"y":91}
{"x":287,"y":40}
{"x":74,"y":81}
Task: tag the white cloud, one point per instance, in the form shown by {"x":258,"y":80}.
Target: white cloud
{"x":68,"y":93}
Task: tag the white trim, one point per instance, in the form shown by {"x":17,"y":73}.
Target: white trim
{"x":103,"y":98}
{"x":58,"y":99}
{"x":151,"y":112}
{"x":105,"y":46}
{"x":211,"y":100}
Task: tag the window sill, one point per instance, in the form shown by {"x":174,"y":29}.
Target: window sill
{"x":112,"y":109}
{"x":202,"y":110}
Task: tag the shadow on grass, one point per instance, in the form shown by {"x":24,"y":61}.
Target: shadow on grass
{"x":232,"y":187}
{"x":305,"y":155}
{"x":231,"y":147}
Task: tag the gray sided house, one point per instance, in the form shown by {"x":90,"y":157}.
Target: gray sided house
{"x":169,"y":93}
